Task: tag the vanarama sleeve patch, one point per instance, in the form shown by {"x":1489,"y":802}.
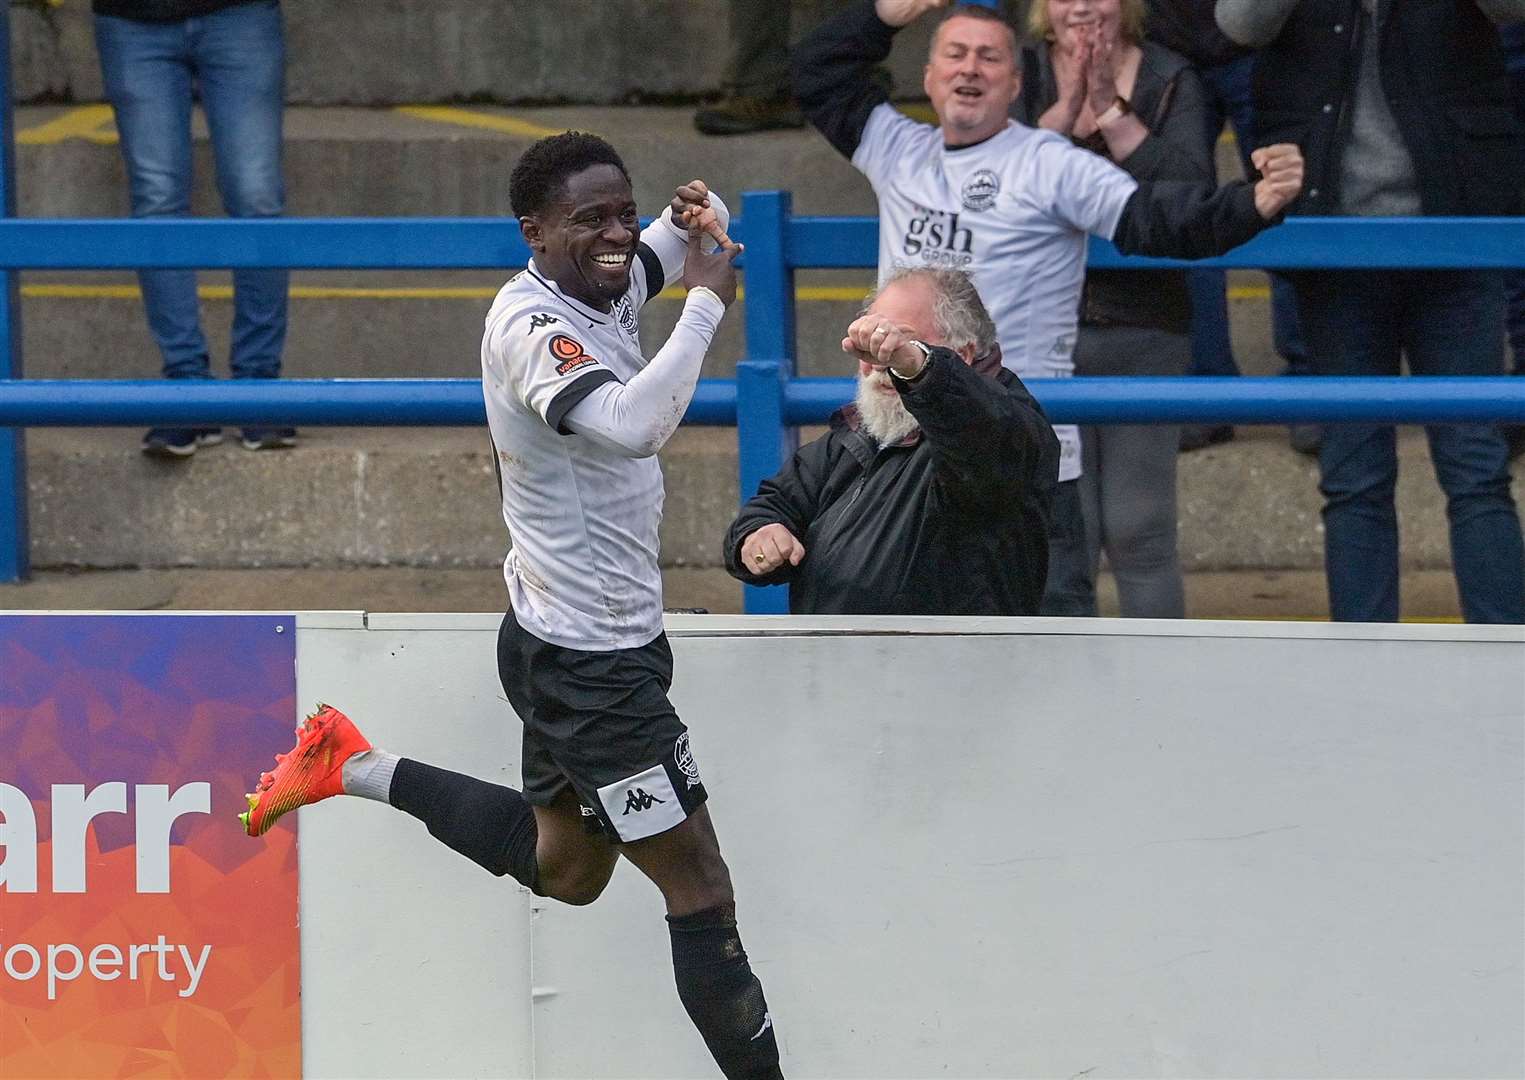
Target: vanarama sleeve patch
{"x":569,"y":354}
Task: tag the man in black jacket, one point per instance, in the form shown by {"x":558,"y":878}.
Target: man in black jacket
{"x":1403,"y":108}
{"x":930,"y":495}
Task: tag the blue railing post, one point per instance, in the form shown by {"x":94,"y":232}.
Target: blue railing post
{"x":764,"y":441}
{"x":14,"y":544}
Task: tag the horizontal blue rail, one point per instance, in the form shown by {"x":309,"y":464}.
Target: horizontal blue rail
{"x":809,"y":243}
{"x":458,"y":402}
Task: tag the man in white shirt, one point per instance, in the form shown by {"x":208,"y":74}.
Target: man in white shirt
{"x":1009,"y":204}
{"x":577,"y":415}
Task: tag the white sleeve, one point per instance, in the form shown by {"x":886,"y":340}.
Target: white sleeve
{"x":664,"y":246}
{"x":887,"y":138}
{"x":636,"y":419}
{"x":538,"y":358}
{"x":1083,"y":190}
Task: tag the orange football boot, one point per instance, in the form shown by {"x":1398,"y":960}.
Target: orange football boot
{"x":309,"y":772}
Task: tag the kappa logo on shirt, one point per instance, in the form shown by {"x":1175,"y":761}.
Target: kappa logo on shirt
{"x":570,"y":354}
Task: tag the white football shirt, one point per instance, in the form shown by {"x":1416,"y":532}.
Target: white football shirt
{"x":582,"y":572}
{"x":1013,"y":212}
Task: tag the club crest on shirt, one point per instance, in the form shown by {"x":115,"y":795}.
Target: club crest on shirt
{"x":624,"y":311}
{"x":981,"y":189}
{"x":569,"y":352}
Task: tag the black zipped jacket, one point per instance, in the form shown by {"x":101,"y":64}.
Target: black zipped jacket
{"x":1444,"y":76}
{"x":161,"y":10}
{"x":951,"y":521}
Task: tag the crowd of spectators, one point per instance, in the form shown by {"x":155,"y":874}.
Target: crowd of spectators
{"x":1338,"y":107}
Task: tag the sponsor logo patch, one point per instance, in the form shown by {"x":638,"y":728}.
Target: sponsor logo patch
{"x":981,"y":189}
{"x":570,"y":354}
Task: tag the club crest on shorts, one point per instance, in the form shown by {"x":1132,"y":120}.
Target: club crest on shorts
{"x":684,"y":757}
{"x":980,"y":190}
{"x":569,"y":353}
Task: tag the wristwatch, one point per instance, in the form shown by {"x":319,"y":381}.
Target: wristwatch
{"x":1119,"y":108}
{"x":926,"y":356}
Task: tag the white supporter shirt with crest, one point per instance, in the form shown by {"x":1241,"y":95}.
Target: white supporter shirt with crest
{"x":1013,"y":212}
{"x":582,"y":572}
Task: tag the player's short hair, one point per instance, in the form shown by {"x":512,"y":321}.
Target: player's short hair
{"x":984,"y":14}
{"x":1130,"y":24}
{"x":543,"y":171}
{"x":957,"y":309}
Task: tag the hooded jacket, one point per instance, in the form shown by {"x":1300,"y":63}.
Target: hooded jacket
{"x":952,"y":520}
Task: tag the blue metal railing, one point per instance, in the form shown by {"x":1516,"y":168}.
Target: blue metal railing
{"x":766,"y":401}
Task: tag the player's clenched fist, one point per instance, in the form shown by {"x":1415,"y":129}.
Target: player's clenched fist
{"x":905,"y":12}
{"x":880,"y":343}
{"x":691,"y":209}
{"x":1281,"y":177}
{"x":769,"y":547}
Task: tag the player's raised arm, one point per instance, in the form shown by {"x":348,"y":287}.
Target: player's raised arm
{"x":664,"y":246}
{"x":636,"y":419}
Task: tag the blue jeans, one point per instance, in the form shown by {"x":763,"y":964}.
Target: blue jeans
{"x":1445,"y":323}
{"x":236,"y":59}
{"x":1212,"y":349}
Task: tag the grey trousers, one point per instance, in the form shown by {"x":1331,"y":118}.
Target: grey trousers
{"x":1128,"y":488}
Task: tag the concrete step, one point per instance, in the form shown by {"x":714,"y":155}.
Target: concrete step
{"x":352,"y":497}
{"x":391,"y":51}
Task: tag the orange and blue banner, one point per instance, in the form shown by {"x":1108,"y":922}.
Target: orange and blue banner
{"x":141,"y":932}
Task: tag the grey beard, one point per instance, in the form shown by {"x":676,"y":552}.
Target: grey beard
{"x":884,"y":416}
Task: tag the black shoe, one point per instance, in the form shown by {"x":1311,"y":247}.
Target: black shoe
{"x":269,"y":438}
{"x":178,"y":443}
{"x":1197,"y":436}
{"x":744,"y":115}
{"x":1514,"y":435}
{"x":1306,"y":438}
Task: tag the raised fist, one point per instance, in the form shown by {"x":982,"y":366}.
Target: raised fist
{"x":904,"y":12}
{"x":1281,"y":177}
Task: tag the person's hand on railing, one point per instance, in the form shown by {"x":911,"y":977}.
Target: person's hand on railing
{"x":714,"y":270}
{"x":691,"y":209}
{"x":1281,"y":177}
{"x":766,"y":549}
{"x":905,"y":12}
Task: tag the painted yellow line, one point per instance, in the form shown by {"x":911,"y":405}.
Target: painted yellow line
{"x":508,"y":125}
{"x":849,"y":294}
{"x":91,"y":122}
{"x":807,"y":294}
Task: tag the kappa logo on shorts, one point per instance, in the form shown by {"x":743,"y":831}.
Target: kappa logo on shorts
{"x":981,"y":189}
{"x":642,"y":805}
{"x":683,"y":756}
{"x":570,"y":354}
{"x":638,"y":799}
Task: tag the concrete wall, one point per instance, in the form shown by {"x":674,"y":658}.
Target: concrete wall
{"x":969,"y":848}
{"x":381,"y":52}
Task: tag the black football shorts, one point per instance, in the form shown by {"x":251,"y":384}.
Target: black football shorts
{"x":601,"y":722}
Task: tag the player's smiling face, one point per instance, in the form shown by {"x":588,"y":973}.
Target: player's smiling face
{"x":972,"y":78}
{"x":585,"y":240}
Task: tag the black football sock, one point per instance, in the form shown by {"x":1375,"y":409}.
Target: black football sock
{"x":491,"y":825}
{"x":723,"y":998}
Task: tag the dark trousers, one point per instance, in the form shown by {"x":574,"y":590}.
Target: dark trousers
{"x":1444,"y":323}
{"x":1071,"y":586}
{"x":759,"y":50}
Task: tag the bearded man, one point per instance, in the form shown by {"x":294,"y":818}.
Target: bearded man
{"x":930,"y":494}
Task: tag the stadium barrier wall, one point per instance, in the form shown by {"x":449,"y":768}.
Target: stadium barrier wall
{"x":971,"y":848}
